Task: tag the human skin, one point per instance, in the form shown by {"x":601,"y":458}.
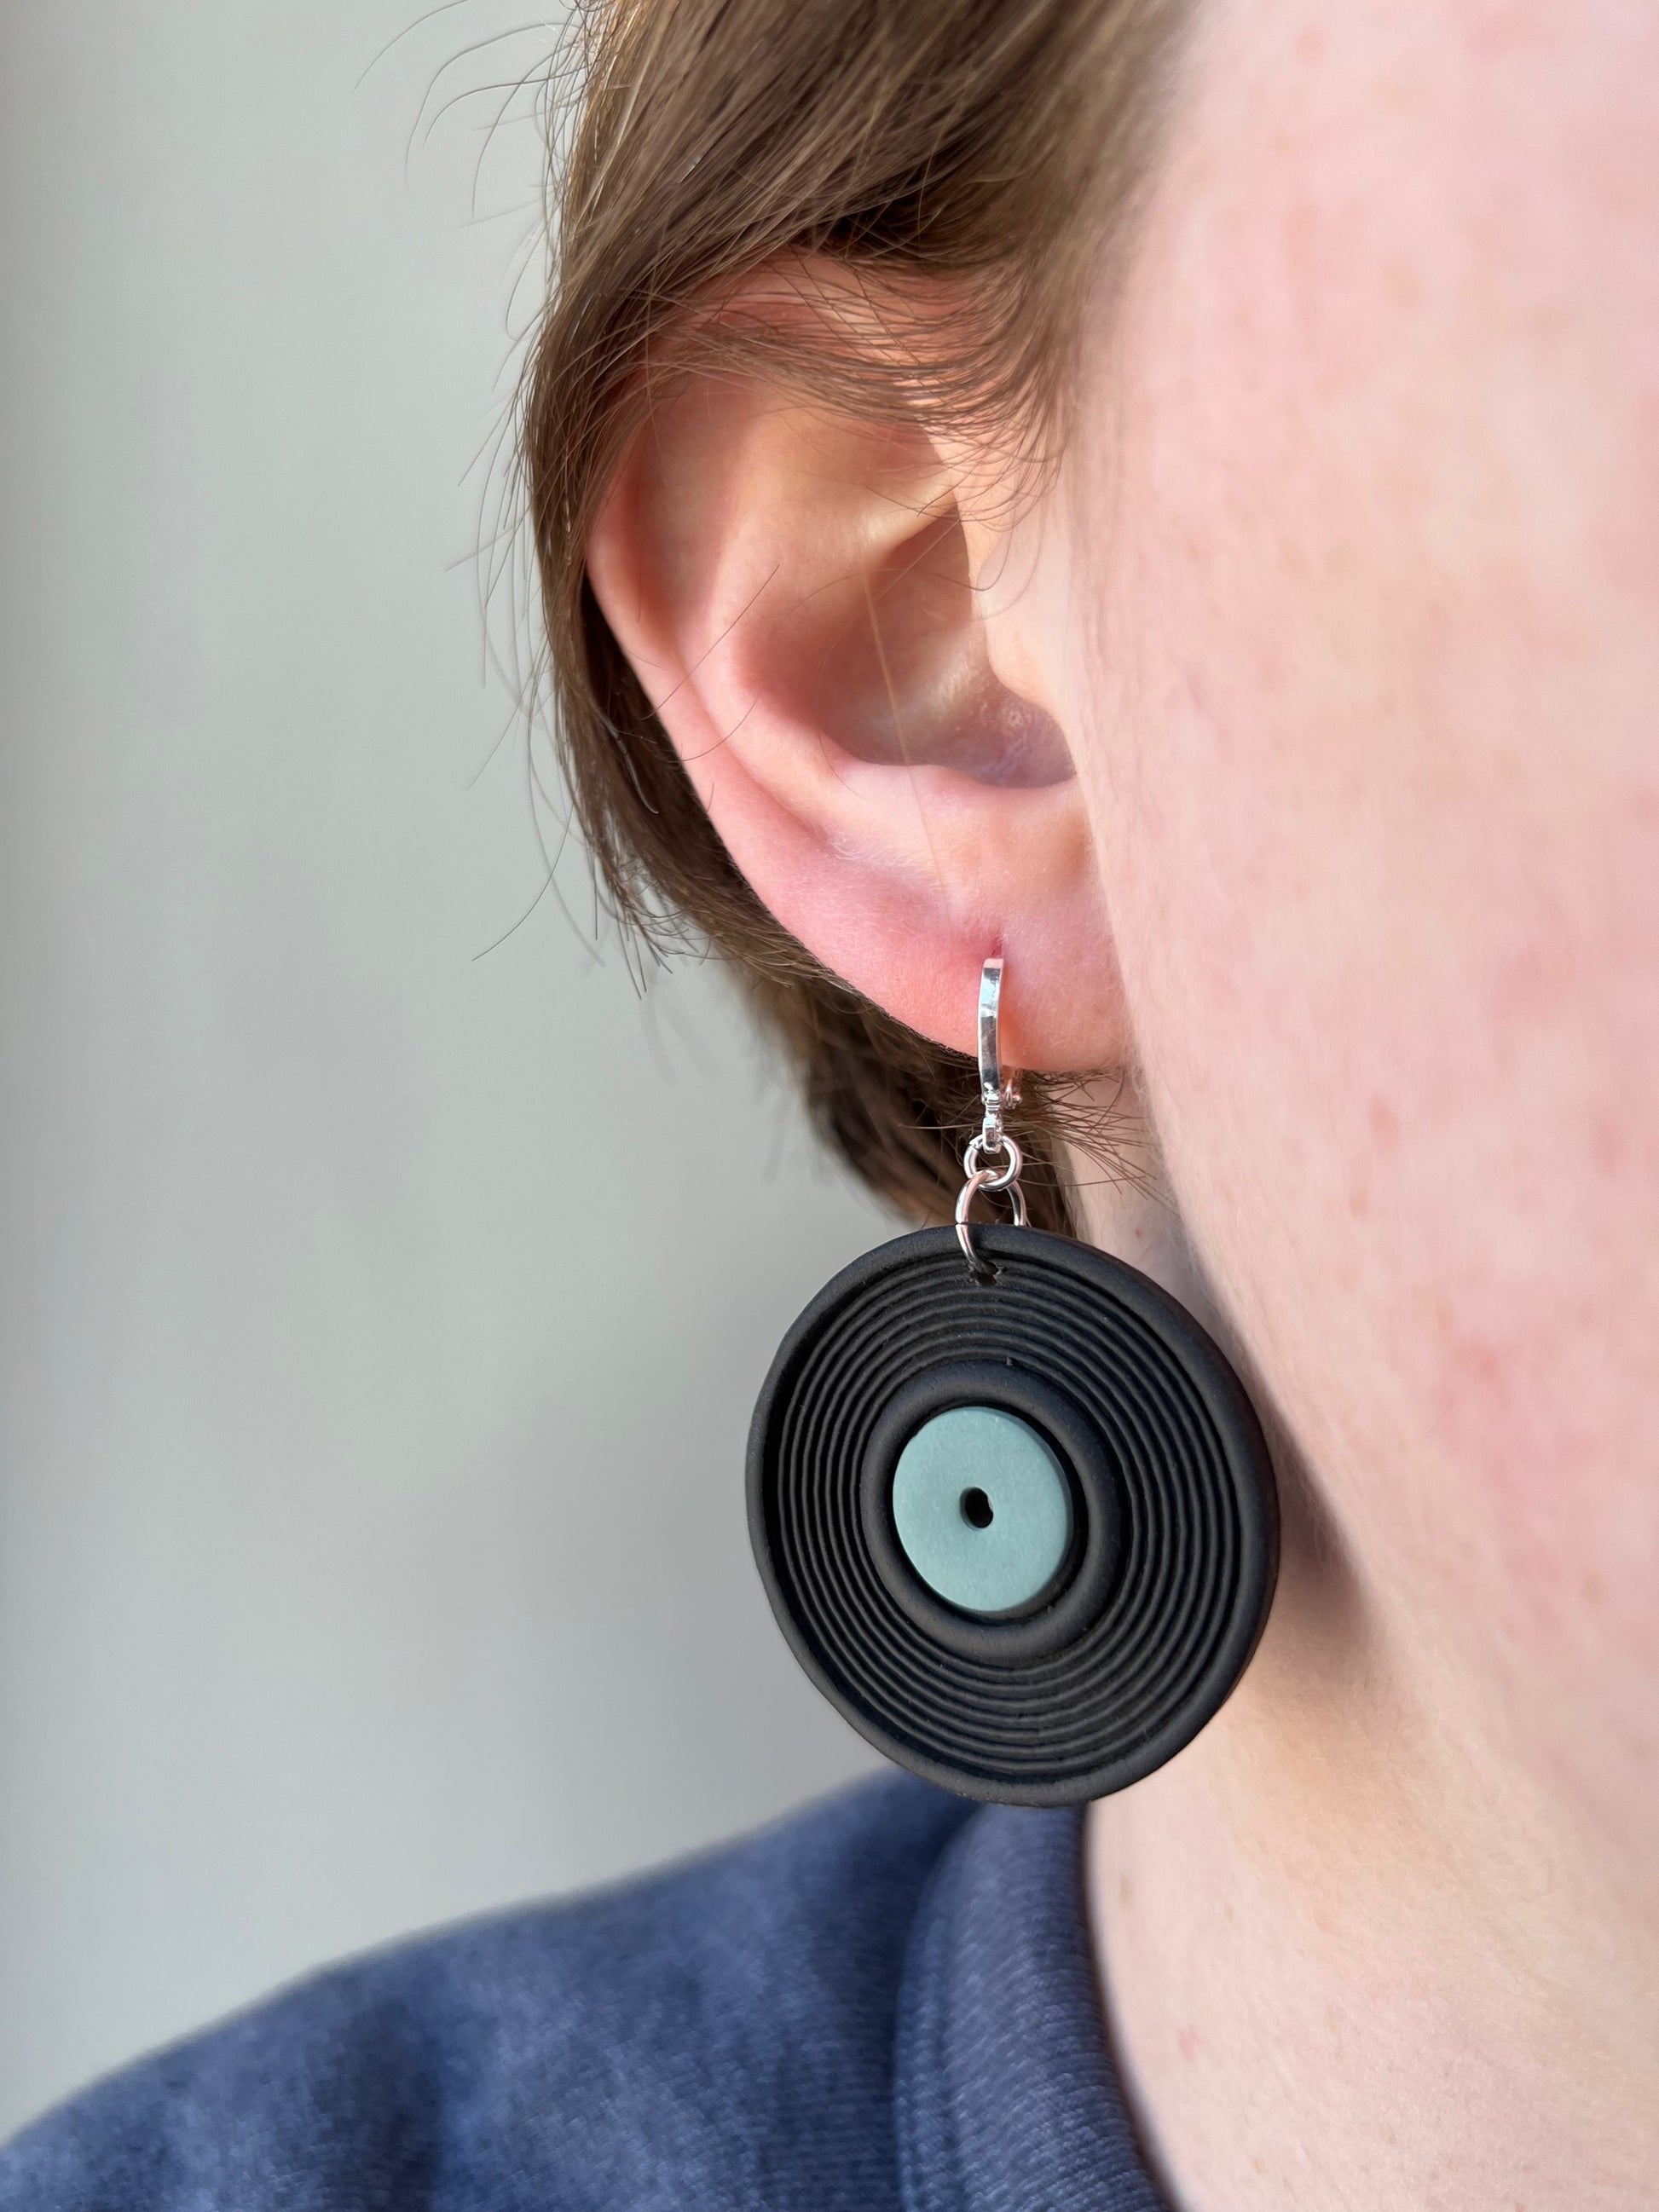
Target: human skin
{"x":1373,"y":772}
{"x":1333,"y":813}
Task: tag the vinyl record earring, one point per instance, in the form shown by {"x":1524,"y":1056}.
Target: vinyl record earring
{"x":1012,"y":1508}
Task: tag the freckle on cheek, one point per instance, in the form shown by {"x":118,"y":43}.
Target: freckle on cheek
{"x":1402,"y":284}
{"x":1385,"y":1125}
{"x":1609,"y":1148}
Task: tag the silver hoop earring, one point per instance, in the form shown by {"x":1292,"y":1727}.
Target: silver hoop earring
{"x":1012,"y":1508}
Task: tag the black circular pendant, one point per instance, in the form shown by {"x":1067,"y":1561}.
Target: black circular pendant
{"x":1021,"y":1532}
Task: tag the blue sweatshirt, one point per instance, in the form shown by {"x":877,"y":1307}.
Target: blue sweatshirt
{"x":885,"y":2004}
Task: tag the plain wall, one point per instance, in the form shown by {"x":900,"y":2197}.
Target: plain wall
{"x":379,"y":1323}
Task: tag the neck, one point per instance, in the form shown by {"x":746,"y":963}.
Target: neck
{"x":1349,"y":1956}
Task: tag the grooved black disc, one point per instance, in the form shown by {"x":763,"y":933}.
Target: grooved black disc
{"x":1170,"y":1574}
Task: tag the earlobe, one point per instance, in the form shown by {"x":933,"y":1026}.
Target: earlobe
{"x":793,"y":589}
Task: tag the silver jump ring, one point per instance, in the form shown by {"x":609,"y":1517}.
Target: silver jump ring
{"x":982,"y":1179}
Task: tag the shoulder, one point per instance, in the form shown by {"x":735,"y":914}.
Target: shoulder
{"x":719,"y":2034}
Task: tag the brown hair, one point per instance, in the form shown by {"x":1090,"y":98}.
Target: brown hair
{"x":991,"y":146}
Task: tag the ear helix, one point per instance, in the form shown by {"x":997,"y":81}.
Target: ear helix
{"x":1012,"y":1508}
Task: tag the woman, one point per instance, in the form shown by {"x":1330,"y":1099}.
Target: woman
{"x":1165,"y":493}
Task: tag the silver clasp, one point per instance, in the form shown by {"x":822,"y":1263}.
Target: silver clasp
{"x":998,"y":1095}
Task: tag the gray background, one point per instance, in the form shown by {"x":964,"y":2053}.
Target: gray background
{"x":379,"y":1322}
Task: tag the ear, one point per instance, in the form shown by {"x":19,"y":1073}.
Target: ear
{"x":827,"y":618}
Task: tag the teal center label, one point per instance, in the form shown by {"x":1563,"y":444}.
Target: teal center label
{"x":983,"y":1508}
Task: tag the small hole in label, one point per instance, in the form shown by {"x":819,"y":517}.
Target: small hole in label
{"x":976,"y":1509}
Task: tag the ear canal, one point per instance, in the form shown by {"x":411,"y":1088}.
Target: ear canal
{"x":899,"y":674}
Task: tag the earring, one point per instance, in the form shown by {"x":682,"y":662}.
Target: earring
{"x":1012,"y":1508}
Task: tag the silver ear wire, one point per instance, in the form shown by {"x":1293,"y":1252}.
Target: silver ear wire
{"x":998,"y":1091}
{"x":990,"y":1043}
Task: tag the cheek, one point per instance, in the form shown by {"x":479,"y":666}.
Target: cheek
{"x":1373,"y":779}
